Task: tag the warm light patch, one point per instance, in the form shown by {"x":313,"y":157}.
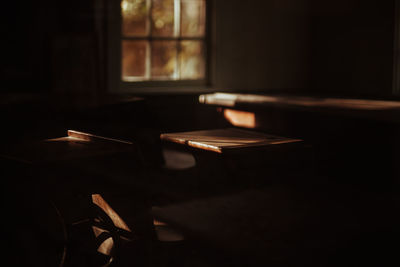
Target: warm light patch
{"x":158,"y":223}
{"x":105,"y":247}
{"x":163,"y":40}
{"x":240,"y":118}
{"x":117,"y":220}
{"x":165,"y":233}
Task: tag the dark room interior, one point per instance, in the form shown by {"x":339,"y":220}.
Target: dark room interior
{"x":177,"y":133}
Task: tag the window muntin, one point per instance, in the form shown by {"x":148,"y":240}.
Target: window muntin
{"x":163,"y":40}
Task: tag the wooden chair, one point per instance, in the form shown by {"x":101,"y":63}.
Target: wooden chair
{"x":71,"y":172}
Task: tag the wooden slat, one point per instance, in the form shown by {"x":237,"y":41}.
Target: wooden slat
{"x":92,"y":137}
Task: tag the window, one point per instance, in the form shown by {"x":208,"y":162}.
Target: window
{"x":160,"y":42}
{"x":396,"y":51}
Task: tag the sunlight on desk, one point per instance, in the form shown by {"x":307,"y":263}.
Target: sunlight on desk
{"x":232,"y":100}
{"x":223,"y":140}
{"x":240,"y":118}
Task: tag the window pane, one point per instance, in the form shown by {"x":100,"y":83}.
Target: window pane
{"x":193,"y":18}
{"x":191,"y":60}
{"x":134,"y":60}
{"x":163,"y":59}
{"x":162,"y":18}
{"x":134,"y":17}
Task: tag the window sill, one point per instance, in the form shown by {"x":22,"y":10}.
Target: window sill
{"x":167,"y":90}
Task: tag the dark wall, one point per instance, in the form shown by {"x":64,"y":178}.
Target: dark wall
{"x":341,"y":48}
{"x":262,"y":44}
{"x":37,"y":37}
{"x":352,"y":47}
{"x":48,"y":64}
{"x":23,"y":35}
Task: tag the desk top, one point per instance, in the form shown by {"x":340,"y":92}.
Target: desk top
{"x":225,"y":140}
{"x":75,"y":145}
{"x":379,"y":109}
{"x":280,"y":226}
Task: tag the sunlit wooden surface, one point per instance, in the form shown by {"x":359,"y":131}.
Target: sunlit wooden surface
{"x":228,"y":99}
{"x":368,"y":108}
{"x":73,"y":146}
{"x":224,"y":140}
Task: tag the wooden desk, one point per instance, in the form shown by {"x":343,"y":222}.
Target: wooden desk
{"x":290,"y":227}
{"x":382,"y":110}
{"x":355,"y":140}
{"x":232,"y":158}
{"x":76,"y":160}
{"x":226,"y":140}
{"x":50,"y":183}
{"x":73,"y":146}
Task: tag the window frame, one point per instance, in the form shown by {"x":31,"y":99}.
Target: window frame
{"x":396,"y":51}
{"x":115,"y":83}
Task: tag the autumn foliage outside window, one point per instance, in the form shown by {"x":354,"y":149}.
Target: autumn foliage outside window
{"x":163,"y":40}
